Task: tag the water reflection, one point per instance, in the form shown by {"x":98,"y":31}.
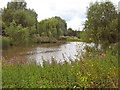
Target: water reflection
{"x":46,"y":51}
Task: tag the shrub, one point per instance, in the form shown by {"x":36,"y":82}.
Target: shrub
{"x":17,"y":34}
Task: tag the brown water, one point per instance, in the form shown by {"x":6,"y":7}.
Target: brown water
{"x":36,"y":52}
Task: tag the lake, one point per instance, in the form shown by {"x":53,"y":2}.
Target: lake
{"x":36,"y":52}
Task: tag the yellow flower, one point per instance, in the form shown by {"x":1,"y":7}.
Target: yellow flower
{"x":77,"y":73}
{"x":88,"y":74}
{"x":92,"y":83}
{"x":82,"y":79}
{"x":109,"y":46}
{"x":92,"y":64}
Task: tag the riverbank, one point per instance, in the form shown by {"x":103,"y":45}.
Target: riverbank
{"x":98,"y":70}
{"x":7,"y":42}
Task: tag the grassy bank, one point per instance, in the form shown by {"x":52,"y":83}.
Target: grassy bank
{"x":7,"y":42}
{"x":77,"y":39}
{"x":73,"y":39}
{"x":94,"y":71}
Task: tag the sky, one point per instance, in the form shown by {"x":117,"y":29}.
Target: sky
{"x":72,"y":11}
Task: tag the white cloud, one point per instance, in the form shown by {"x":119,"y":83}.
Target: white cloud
{"x":73,"y":11}
{"x":76,"y":23}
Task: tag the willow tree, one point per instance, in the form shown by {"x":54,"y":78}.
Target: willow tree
{"x":53,"y":27}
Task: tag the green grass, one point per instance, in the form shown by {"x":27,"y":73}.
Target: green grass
{"x":72,"y":39}
{"x":99,"y":71}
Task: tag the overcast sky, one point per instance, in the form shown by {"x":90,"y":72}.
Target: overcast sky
{"x":73,"y":11}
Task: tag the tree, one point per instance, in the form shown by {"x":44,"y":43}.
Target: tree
{"x":62,"y":24}
{"x":18,"y":12}
{"x":8,"y":13}
{"x":55,"y":25}
{"x":15,"y":5}
{"x":71,"y":32}
{"x":99,"y":17}
{"x":17,"y":34}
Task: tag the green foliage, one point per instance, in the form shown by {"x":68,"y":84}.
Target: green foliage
{"x":50,"y":34}
{"x":7,"y":16}
{"x":72,"y":39}
{"x":32,"y":30}
{"x":17,"y":11}
{"x":71,"y":32}
{"x":102,"y":22}
{"x":5,"y":43}
{"x":16,"y":5}
{"x":17,"y":34}
{"x":43,"y":34}
{"x":54,"y":26}
{"x":54,"y":30}
{"x":42,"y":39}
{"x":12,"y":7}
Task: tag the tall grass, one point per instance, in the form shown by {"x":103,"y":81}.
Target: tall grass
{"x":99,"y":71}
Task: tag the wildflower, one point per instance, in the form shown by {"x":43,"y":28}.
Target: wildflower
{"x":13,"y":61}
{"x":77,"y":73}
{"x":69,"y":62}
{"x":20,"y":59}
{"x":26,"y":63}
{"x":92,"y":83}
{"x":117,"y":44}
{"x":88,"y":74}
{"x":83,"y":78}
{"x":14,"y":57}
{"x":109,"y":46}
{"x":102,"y":54}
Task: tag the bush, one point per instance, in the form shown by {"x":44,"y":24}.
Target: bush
{"x":17,"y":34}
